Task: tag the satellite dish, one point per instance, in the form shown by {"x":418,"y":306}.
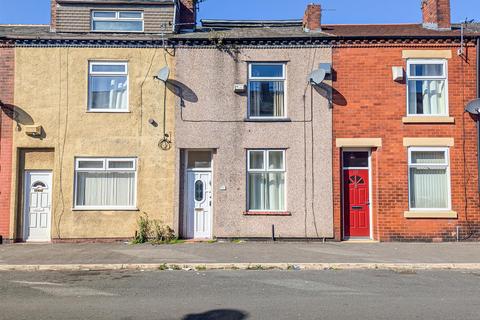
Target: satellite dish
{"x":163,"y":74}
{"x":473,"y":107}
{"x":317,"y":76}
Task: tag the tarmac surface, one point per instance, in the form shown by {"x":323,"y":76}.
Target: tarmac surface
{"x":236,"y":295}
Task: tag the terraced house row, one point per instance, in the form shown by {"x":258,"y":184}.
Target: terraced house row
{"x":237,"y":129}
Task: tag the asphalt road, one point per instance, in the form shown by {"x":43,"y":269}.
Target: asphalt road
{"x":235,"y":295}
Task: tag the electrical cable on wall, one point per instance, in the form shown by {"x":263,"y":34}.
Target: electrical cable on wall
{"x":166,"y":142}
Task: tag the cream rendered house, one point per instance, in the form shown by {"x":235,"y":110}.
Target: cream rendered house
{"x":93,"y":143}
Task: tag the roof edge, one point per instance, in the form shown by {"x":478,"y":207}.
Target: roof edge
{"x":219,"y":23}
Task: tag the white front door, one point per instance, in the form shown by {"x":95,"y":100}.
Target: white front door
{"x":38,"y":205}
{"x":199,"y":205}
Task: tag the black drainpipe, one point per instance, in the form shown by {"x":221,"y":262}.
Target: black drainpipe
{"x":478,"y":116}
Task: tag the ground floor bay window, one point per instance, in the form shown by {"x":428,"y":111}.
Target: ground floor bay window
{"x":429,"y":179}
{"x":266,"y":180}
{"x":105,"y":183}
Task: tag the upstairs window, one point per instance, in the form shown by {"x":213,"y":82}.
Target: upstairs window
{"x":427,"y":88}
{"x":117,"y":21}
{"x":108,"y":87}
{"x":266,"y":90}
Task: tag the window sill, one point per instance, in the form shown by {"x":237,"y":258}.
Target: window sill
{"x":267,"y":213}
{"x":108,"y":111}
{"x":430,"y":214}
{"x":105,"y":209}
{"x":267,"y":120}
{"x":422,"y":119}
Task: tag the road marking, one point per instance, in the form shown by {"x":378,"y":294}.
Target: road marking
{"x":36,"y":283}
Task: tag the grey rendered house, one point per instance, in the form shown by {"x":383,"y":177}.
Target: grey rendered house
{"x":253,"y":135}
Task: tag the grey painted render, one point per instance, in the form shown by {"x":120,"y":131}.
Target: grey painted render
{"x":211,"y":116}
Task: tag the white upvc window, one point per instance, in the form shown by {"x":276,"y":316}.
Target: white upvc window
{"x":427,"y":86}
{"x":105,"y":183}
{"x":266,"y":180}
{"x":108,"y":86}
{"x":429,"y":178}
{"x":117,"y":21}
{"x":266,"y":90}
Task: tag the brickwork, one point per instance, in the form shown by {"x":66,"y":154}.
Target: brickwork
{"x":436,"y":13}
{"x":188,"y":16}
{"x":53,"y":15}
{"x":369,"y":104}
{"x":312,"y":20}
{"x":6,"y":126}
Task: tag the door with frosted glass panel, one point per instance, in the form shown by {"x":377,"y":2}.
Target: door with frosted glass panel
{"x":199,"y":204}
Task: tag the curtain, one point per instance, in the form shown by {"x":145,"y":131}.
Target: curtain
{"x":106,"y":189}
{"x":278,"y":99}
{"x":109,"y":93}
{"x":267,"y":191}
{"x":427,"y":97}
{"x":255,"y":99}
{"x":428,"y":188}
{"x":267,"y":98}
{"x":118,"y":94}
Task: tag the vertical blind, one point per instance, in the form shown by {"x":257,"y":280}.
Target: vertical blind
{"x":429,"y":180}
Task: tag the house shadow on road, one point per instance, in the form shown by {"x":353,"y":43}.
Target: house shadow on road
{"x":219,"y":314}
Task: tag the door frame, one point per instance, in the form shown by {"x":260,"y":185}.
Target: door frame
{"x":185,"y":193}
{"x":26,"y":201}
{"x":370,"y":199}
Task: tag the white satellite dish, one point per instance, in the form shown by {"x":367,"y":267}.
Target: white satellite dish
{"x":317,"y":76}
{"x":163,"y":74}
{"x":473,"y":107}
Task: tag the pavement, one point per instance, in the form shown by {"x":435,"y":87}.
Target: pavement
{"x":237,"y":295}
{"x":244,"y":255}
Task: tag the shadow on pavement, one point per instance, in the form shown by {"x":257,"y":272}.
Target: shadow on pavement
{"x":220,"y":314}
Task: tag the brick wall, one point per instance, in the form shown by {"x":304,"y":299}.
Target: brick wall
{"x":368,"y":103}
{"x":436,"y":13}
{"x":6,"y":127}
{"x":188,"y":14}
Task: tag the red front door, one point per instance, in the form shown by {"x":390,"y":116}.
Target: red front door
{"x":356,"y":203}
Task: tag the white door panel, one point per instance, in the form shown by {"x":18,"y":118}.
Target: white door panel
{"x":38,"y":205}
{"x":199,"y":204}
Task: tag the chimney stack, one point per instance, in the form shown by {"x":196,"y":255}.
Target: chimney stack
{"x":436,"y":14}
{"x":53,"y":15}
{"x":312,"y":20}
{"x":188,"y":14}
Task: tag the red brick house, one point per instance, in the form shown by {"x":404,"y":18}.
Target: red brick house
{"x":6,"y":126}
{"x":405,"y":151}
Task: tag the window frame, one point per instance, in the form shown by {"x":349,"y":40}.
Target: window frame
{"x":445,"y":165}
{"x":265,"y":169}
{"x":266,"y":79}
{"x":92,"y":73}
{"x":444,"y":77}
{"x":105,"y":168}
{"x":117,"y":18}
